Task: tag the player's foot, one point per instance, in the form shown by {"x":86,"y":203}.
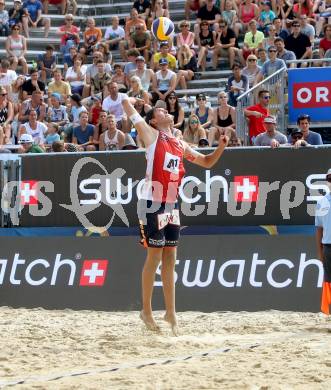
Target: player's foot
{"x":172,"y":320}
{"x":149,"y":321}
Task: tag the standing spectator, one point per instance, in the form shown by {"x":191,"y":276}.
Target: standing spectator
{"x":112,"y":138}
{"x":206,"y":44}
{"x":210,"y":13}
{"x":299,"y":43}
{"x":256,"y":114}
{"x":6,"y":115}
{"x":82,"y":134}
{"x":16,"y":15}
{"x":33,"y":84}
{"x":176,"y":110}
{"x":283,"y":54}
{"x":34,"y":18}
{"x":224,"y":120}
{"x":4,"y":20}
{"x":251,"y":70}
{"x":164,"y":81}
{"x":59,"y":86}
{"x":194,"y":132}
{"x":114,"y":34}
{"x":237,"y":85}
{"x":202,"y":111}
{"x":325,"y":44}
{"x":47,"y":63}
{"x":187,"y":65}
{"x":253,"y":40}
{"x":75,"y":76}
{"x":271,"y":66}
{"x":35,"y":103}
{"x":225,"y":45}
{"x":92,"y":36}
{"x":143,"y":7}
{"x":271,"y":137}
{"x":35,"y":128}
{"x":112,"y":104}
{"x":69,"y":34}
{"x":248,"y":11}
{"x":185,"y":37}
{"x":7,"y":76}
{"x":163,"y":54}
{"x":16,"y":48}
{"x":145,"y":75}
{"x":28,"y":145}
{"x":141,"y":40}
{"x":311,"y":137}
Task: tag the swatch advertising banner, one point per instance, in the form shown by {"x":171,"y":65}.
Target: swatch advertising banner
{"x":247,"y":187}
{"x":212,"y":273}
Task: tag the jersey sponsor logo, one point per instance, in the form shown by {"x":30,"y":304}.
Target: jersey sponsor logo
{"x":171,"y":163}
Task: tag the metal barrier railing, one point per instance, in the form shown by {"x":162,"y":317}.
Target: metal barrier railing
{"x":276,"y":85}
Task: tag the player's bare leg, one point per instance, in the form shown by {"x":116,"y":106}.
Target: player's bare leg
{"x":168,"y":280}
{"x":153,"y":259}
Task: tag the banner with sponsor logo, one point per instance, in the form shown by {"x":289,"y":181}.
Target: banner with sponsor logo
{"x":246,"y":187}
{"x":309,"y":92}
{"x":212,"y":273}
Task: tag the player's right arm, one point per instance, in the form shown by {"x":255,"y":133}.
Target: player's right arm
{"x":146,"y":133}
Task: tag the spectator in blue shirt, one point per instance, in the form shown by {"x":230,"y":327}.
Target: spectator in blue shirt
{"x":266,"y":16}
{"x":237,"y":85}
{"x":311,"y":137}
{"x":34,"y":18}
{"x":270,"y":66}
{"x":83,"y":134}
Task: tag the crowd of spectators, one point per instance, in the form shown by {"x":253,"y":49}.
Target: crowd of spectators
{"x":77,"y":106}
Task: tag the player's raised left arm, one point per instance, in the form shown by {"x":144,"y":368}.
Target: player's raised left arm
{"x":209,"y":160}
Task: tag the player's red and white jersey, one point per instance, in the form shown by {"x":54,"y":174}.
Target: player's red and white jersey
{"x":165,"y":169}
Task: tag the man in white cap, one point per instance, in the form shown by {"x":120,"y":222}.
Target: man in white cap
{"x":323,"y":241}
{"x":271,"y":137}
{"x":28,"y":145}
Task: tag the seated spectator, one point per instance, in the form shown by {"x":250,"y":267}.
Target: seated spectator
{"x":164,"y":53}
{"x":253,"y":40}
{"x":28,"y":144}
{"x":129,"y":143}
{"x":131,"y":65}
{"x":225,"y":45}
{"x":112,"y":104}
{"x":143,"y":7}
{"x":307,"y":28}
{"x":271,"y":66}
{"x":16,"y":15}
{"x":266,"y":16}
{"x":271,"y":137}
{"x":296,"y":139}
{"x":57,"y":113}
{"x":322,"y":14}
{"x":73,"y":5}
{"x":35,"y":103}
{"x":7,"y":76}
{"x":185,"y":37}
{"x":59,"y":86}
{"x":299,"y":43}
{"x":101,"y":126}
{"x":107,"y":57}
{"x":35,"y":128}
{"x":16,"y":92}
{"x":114,"y":34}
{"x":251,"y":70}
{"x":92,"y":36}
{"x":303,"y":7}
{"x":192,"y":5}
{"x":202,"y":111}
{"x":95,"y":110}
{"x":69,"y":34}
{"x":92,"y":70}
{"x":270,"y":39}
{"x":145,"y":75}
{"x":194,"y":132}
{"x":6,"y":116}
{"x":68,"y":59}
{"x":75,"y":109}
{"x":164,"y":82}
{"x":248,"y":11}
{"x":280,"y":31}
{"x":325,"y":44}
{"x":140,"y":39}
{"x":4,"y":18}
{"x":16,"y":48}
{"x":210,"y":13}
{"x":230,"y":15}
{"x":141,"y":107}
{"x":137,"y":91}
{"x":283,"y":54}
{"x":32,"y":84}
{"x":311,"y":137}
{"x":112,"y":138}
{"x":176,"y":110}
{"x":52,"y":134}
{"x":60,"y":4}
{"x":47,"y":63}
{"x":187,"y":65}
{"x":82,"y":134}
{"x":237,"y":85}
{"x":255,"y":115}
{"x":99,"y":81}
{"x":119,"y":77}
{"x":224,"y":120}
{"x":157,"y":10}
{"x":34,"y":18}
{"x":75,"y":76}
{"x":261,"y":57}
{"x":284,"y":11}
{"x":206,"y":43}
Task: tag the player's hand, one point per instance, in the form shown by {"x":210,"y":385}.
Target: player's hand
{"x":223,"y":141}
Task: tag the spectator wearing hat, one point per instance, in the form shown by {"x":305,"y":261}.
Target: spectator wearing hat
{"x":35,"y":18}
{"x":255,"y":115}
{"x":145,"y":75}
{"x":4,"y":18}
{"x":202,"y":111}
{"x":28,"y":145}
{"x":35,"y":128}
{"x":57,"y":112}
{"x":296,"y":139}
{"x":237,"y":84}
{"x":270,"y":66}
{"x":82,"y":134}
{"x":164,"y":81}
{"x":299,"y":43}
{"x":323,"y":242}
{"x":112,"y":138}
{"x":33,"y":84}
{"x":163,"y":54}
{"x":271,"y":137}
{"x":59,"y":86}
{"x":309,"y":136}
{"x":47,"y":63}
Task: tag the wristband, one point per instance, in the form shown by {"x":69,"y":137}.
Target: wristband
{"x":136,"y":118}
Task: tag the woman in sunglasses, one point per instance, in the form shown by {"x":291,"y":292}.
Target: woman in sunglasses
{"x":206,"y":40}
{"x":194,"y":132}
{"x":6,"y":117}
{"x":16,"y":48}
{"x":176,"y":110}
{"x":251,"y":69}
{"x":204,"y":113}
{"x":185,"y":37}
